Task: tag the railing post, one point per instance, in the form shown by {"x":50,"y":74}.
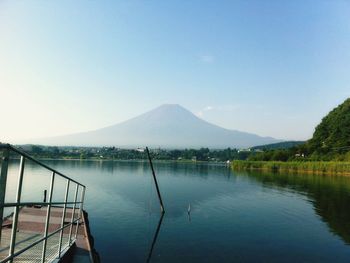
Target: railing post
{"x":73,"y":212}
{"x":83,"y":198}
{"x":48,"y":217}
{"x":17,"y":208}
{"x":3,"y":179}
{"x":80,"y":210}
{"x":63,"y":218}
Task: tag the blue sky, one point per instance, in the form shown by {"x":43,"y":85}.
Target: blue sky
{"x":274,"y":68}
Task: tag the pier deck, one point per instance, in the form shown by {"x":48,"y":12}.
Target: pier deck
{"x":31,"y":226}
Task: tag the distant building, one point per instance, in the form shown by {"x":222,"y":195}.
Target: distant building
{"x":244,"y":150}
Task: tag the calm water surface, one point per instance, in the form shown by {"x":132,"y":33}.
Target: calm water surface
{"x":235,"y":217}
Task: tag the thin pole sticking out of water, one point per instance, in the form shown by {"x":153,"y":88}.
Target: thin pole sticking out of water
{"x":155,"y":181}
{"x":155,"y":238}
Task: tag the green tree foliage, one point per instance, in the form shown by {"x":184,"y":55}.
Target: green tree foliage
{"x":113,"y":153}
{"x":330,"y":141}
{"x":279,"y":145}
{"x":332,"y":135}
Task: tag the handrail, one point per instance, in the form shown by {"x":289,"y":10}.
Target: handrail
{"x":37,"y":203}
{"x":6,"y":148}
{"x":9,"y":146}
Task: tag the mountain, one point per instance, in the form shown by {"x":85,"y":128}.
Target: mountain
{"x":168,"y":126}
{"x":279,"y":145}
{"x":333,"y":133}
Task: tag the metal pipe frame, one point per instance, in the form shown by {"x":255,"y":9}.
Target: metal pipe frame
{"x":27,"y":156}
{"x":35,"y":243}
{"x":7,"y":148}
{"x":16,"y":210}
{"x":48,"y":211}
{"x":3,"y":180}
{"x":80,"y":212}
{"x":37,"y":203}
{"x":63,"y":218}
{"x":73,"y":214}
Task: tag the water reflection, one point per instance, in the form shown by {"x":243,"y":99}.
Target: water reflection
{"x":329,"y":195}
{"x":154,"y":240}
{"x":131,"y":180}
{"x":235,"y":217}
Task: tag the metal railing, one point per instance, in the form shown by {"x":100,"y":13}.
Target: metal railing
{"x":7,"y":150}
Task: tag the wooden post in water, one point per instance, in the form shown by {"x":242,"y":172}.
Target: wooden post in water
{"x":155,"y":238}
{"x":155,"y":181}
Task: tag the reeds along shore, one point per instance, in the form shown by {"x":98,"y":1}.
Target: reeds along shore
{"x":327,"y":168}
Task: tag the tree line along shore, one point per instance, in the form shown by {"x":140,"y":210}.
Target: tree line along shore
{"x":327,"y":152}
{"x":313,"y":167}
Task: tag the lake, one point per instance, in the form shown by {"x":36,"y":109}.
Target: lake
{"x":234,"y":216}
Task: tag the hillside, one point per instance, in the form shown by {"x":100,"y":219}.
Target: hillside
{"x":278,"y":145}
{"x":327,"y":152}
{"x":333,"y":133}
{"x":330,"y":141}
{"x":168,"y":126}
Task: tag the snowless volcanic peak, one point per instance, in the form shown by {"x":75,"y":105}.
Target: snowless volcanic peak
{"x":167,"y":126}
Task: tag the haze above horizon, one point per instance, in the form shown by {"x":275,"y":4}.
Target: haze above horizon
{"x":271,"y":68}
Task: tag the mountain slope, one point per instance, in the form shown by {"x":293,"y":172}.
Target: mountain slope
{"x":169,"y":126}
{"x":279,"y":145}
{"x":334,"y":130}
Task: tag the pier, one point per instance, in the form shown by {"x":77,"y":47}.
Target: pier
{"x":53,"y":230}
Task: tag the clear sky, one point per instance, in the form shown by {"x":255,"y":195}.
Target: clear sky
{"x":273,"y":68}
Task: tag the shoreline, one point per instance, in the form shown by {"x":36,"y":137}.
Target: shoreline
{"x":126,"y":160}
{"x":329,"y":168}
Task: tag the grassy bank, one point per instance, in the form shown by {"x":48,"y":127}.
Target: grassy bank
{"x":331,"y":168}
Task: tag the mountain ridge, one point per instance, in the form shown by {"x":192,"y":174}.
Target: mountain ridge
{"x":167,"y":126}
